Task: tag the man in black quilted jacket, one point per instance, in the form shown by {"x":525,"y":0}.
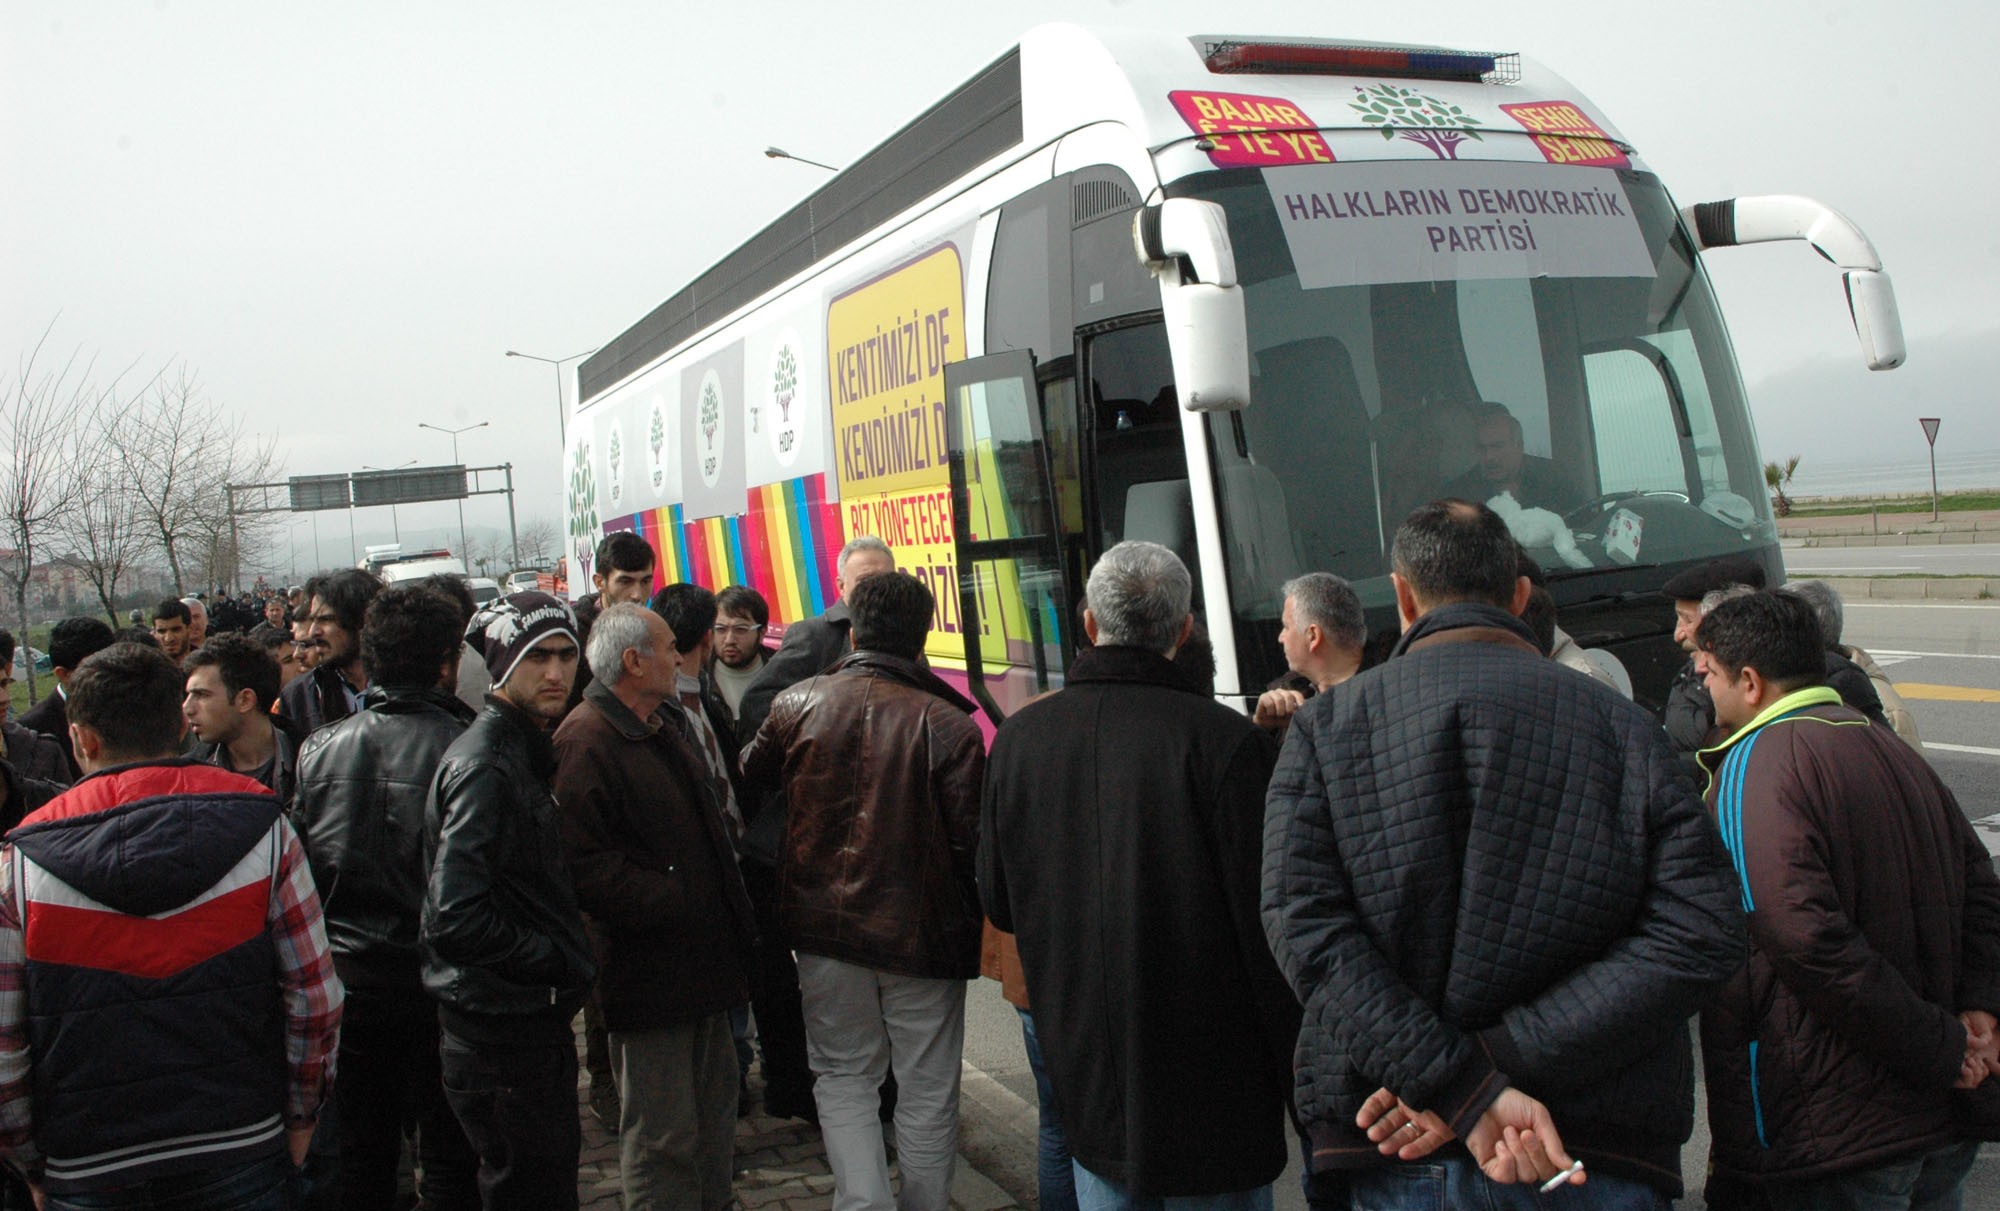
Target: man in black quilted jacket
{"x":1498,"y":898}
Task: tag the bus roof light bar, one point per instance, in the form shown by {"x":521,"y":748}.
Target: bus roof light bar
{"x":1225,"y":56}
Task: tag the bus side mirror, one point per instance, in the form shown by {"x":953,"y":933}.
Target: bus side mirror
{"x":1185,"y":243}
{"x":1871,"y":301}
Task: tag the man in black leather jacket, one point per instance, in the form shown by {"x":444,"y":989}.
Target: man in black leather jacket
{"x":504,"y":949}
{"x":359,"y":809}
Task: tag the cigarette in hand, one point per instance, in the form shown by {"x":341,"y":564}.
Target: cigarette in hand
{"x":1562,"y":1177}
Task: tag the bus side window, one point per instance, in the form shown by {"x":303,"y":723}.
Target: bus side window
{"x":1141,"y":465}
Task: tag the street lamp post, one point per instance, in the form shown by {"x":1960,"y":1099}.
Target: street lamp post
{"x":463,"y":554}
{"x":394,"y":524}
{"x":779,"y":153}
{"x":562,"y":420}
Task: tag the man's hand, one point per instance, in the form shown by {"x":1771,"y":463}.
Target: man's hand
{"x":1982,"y":1049}
{"x":1397,"y":1130}
{"x":1516,"y":1141}
{"x":1276,"y":707}
{"x":299,"y":1140}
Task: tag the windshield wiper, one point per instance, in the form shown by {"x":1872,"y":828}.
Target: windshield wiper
{"x":1561,"y":574}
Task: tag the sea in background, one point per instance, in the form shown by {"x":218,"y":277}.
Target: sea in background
{"x":1895,"y":476}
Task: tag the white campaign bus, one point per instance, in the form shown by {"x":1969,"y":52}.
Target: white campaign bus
{"x":1240,"y":296}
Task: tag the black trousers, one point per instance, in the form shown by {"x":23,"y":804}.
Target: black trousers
{"x":518,"y":1108}
{"x":774,"y":996}
{"x":389,"y":1074}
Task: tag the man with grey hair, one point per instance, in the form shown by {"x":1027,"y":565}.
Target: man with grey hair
{"x":1322,"y":632}
{"x":1856,"y":686}
{"x":197,"y":621}
{"x":811,"y":644}
{"x":655,"y":873}
{"x":1120,"y":844}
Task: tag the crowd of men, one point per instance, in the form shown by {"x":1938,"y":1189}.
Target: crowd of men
{"x":293,"y":884}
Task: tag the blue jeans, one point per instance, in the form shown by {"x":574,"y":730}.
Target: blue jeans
{"x":1055,"y":1183}
{"x":1932,"y":1182}
{"x":1093,"y":1193}
{"x":1457,"y":1183}
{"x":261,"y":1185}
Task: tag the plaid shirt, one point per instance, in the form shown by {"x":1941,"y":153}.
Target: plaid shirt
{"x":313,"y":997}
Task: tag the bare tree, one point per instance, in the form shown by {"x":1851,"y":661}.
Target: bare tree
{"x":179,"y":456}
{"x":44,"y":414}
{"x":539,"y":540}
{"x":103,"y":530}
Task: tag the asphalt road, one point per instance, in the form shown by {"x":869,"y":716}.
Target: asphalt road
{"x":1971,"y":559}
{"x":1947,"y":657}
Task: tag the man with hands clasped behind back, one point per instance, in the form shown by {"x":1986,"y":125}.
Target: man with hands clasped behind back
{"x":1499,"y":901}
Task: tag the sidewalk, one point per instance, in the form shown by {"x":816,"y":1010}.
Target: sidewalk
{"x":1893,"y":529}
{"x":780,"y":1163}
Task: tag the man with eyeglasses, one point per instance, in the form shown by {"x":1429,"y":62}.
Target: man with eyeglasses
{"x":741,"y":615}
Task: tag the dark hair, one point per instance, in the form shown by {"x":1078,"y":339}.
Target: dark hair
{"x":347,"y":593}
{"x":452,"y":588}
{"x":892,"y":613}
{"x":1451,"y":550}
{"x":130,"y":695}
{"x":1775,"y":633}
{"x":173,"y":607}
{"x":1541,"y":618}
{"x":625,"y":552}
{"x":741,"y":599}
{"x":271,"y":637}
{"x":74,"y":640}
{"x":688,"y":610}
{"x":7,"y":646}
{"x":139,"y":635}
{"x":241,"y":662}
{"x":409,"y":634}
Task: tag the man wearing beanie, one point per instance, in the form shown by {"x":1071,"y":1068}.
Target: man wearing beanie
{"x":504,"y":948}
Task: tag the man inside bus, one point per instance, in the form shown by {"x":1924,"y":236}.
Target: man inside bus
{"x":1505,"y":466}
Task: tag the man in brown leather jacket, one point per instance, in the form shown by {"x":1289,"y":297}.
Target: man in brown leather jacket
{"x":881,"y":764}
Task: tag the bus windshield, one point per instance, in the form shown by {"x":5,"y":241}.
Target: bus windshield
{"x":1606,"y":405}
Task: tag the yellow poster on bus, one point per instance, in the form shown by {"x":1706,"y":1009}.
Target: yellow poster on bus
{"x":888,"y":341}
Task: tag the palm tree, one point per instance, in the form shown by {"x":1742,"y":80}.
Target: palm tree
{"x":1776,"y":476}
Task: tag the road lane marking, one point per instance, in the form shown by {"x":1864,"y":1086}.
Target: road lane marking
{"x":1966,"y":748}
{"x":1924,"y":692}
{"x":1901,"y":655}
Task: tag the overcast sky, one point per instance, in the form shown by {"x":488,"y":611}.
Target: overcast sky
{"x":342,"y":215}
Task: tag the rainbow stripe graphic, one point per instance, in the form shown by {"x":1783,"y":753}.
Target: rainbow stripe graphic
{"x":784,"y":544}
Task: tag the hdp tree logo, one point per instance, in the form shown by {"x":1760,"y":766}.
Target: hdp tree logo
{"x":785,"y":392}
{"x":1408,"y":114}
{"x":614,"y":459}
{"x":656,"y":439}
{"x":583,"y":523}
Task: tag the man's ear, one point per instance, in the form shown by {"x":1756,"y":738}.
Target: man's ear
{"x":1523,"y":588}
{"x":245,"y":701}
{"x":1090,"y":625}
{"x":1757,"y":691}
{"x":85,"y":741}
{"x":1407,"y":606}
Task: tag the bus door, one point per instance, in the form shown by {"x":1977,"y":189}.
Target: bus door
{"x":1013,"y":599}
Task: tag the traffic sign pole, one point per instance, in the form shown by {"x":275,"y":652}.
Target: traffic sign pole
{"x":1930,"y":424}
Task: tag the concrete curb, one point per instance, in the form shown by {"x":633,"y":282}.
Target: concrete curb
{"x":1963,"y":588}
{"x":1914,"y":538}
